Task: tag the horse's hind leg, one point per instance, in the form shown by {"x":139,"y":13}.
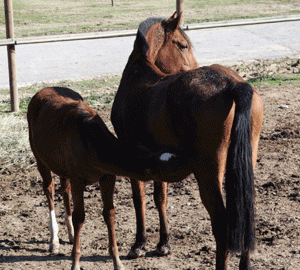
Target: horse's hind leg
{"x":138,"y":193}
{"x":161,"y":201}
{"x":66,"y":192}
{"x":49,"y":190}
{"x":107,"y":185}
{"x":210,"y":192}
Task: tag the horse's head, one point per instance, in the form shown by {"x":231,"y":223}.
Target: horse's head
{"x":164,"y":44}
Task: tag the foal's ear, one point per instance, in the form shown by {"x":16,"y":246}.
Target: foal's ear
{"x":173,"y":23}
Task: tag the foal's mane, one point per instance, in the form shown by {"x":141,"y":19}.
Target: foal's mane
{"x":143,"y":29}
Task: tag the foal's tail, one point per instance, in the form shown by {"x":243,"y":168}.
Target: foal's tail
{"x":239,"y":183}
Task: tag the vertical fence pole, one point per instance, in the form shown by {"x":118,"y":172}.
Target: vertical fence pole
{"x":179,"y":9}
{"x":11,"y":55}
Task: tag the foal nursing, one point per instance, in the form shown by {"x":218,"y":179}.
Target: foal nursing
{"x":69,"y":138}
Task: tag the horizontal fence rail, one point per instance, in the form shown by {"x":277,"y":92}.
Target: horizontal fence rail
{"x":128,"y":33}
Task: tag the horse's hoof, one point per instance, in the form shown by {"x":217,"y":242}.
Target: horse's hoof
{"x":135,"y":253}
{"x":119,"y":266}
{"x":54,"y":249}
{"x":71,"y":239}
{"x":163,"y":250}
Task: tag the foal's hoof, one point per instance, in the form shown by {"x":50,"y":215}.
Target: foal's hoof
{"x":54,"y":249}
{"x":138,"y":252}
{"x":163,"y":250}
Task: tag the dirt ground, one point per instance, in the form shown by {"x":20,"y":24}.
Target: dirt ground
{"x":24,"y":233}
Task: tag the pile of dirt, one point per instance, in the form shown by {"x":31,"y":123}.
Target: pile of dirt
{"x":259,"y":68}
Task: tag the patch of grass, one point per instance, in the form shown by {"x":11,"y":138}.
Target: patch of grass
{"x":102,"y":100}
{"x":14,"y":144}
{"x":273,"y":79}
{"x":5,"y":106}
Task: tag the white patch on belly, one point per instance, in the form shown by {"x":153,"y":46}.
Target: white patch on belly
{"x":166,"y":156}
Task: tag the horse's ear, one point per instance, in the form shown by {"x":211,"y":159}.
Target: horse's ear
{"x":172,"y":17}
{"x":173,"y":23}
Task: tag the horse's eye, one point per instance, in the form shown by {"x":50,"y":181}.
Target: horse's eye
{"x":182,"y":46}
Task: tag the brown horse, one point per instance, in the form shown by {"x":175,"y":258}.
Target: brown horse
{"x":209,"y":116}
{"x":68,"y":138}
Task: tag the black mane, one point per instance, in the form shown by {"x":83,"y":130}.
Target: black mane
{"x":144,"y":27}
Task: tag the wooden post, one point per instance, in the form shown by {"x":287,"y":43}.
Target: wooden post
{"x":179,"y":9}
{"x":11,"y":56}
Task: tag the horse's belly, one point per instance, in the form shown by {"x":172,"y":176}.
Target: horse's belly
{"x":174,"y":173}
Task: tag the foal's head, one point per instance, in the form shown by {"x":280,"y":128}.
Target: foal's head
{"x":164,"y":44}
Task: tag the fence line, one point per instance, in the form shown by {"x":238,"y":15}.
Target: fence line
{"x":128,"y":33}
{"x":11,"y":42}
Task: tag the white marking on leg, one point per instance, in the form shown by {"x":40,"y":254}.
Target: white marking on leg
{"x":53,"y":226}
{"x":166,"y":156}
{"x":69,"y":223}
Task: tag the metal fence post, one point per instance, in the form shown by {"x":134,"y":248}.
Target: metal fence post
{"x":11,"y":55}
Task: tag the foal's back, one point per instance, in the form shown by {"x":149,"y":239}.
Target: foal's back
{"x":55,"y":131}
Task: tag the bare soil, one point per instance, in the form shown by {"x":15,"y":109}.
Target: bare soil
{"x":24,"y":233}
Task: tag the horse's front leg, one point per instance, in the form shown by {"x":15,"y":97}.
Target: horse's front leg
{"x":66,"y":192}
{"x":78,"y":217}
{"x":138,"y":192}
{"x":107,"y":185}
{"x":161,"y":202}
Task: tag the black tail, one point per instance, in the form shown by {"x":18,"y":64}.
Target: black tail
{"x":239,"y":174}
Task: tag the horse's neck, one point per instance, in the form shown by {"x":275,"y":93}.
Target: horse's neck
{"x":139,"y":71}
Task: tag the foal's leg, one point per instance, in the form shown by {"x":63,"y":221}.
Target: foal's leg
{"x":66,"y":190}
{"x":210,"y":192}
{"x":138,"y":192}
{"x":161,"y":201}
{"x":49,"y":190}
{"x":107,"y":184}
{"x":77,"y":187}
